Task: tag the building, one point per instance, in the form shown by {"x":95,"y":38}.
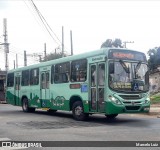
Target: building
{"x":2,"y":86}
{"x":154,"y":80}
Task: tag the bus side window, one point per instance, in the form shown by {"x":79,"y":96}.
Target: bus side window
{"x":25,"y":78}
{"x":93,"y":75}
{"x":47,"y":80}
{"x":101,"y":74}
{"x":79,"y":70}
{"x":10,"y":79}
{"x":52,"y":74}
{"x":62,"y":72}
{"x":34,"y":76}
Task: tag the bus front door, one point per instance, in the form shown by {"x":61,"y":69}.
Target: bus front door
{"x":97,"y":82}
{"x":45,"y":88}
{"x":17,"y":88}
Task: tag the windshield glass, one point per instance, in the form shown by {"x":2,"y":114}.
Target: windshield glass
{"x":128,"y":76}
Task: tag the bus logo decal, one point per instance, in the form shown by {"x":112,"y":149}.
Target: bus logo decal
{"x":59,"y":101}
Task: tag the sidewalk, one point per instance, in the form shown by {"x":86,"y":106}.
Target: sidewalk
{"x":155,"y":110}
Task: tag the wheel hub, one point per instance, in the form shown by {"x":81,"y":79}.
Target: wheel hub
{"x":78,"y":111}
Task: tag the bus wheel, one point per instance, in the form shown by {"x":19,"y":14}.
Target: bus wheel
{"x":77,"y":111}
{"x":25,"y":106}
{"x":112,"y":116}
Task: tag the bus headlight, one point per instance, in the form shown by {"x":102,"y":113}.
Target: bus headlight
{"x":147,"y":101}
{"x":114,"y":100}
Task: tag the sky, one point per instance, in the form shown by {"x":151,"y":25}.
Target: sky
{"x":91,"y":22}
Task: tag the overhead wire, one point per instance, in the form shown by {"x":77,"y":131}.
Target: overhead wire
{"x":44,"y":22}
{"x":46,"y":25}
{"x":14,"y":50}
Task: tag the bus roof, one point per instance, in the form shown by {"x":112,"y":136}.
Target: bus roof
{"x":69,"y":58}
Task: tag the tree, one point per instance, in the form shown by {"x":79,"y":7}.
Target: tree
{"x":107,"y":43}
{"x":112,"y":43}
{"x":53,"y":56}
{"x":154,"y":58}
{"x":117,"y":43}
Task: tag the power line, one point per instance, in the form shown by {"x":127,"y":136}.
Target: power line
{"x":44,"y":22}
{"x":46,"y":25}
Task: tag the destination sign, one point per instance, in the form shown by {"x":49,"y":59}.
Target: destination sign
{"x":126,"y":54}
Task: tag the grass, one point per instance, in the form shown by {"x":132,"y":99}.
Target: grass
{"x":155,"y":99}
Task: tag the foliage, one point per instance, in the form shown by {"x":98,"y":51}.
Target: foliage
{"x":154,"y":58}
{"x":155,"y":99}
{"x":53,"y":56}
{"x":112,"y":43}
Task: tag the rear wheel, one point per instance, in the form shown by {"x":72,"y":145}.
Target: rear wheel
{"x":112,"y":116}
{"x":78,"y":112}
{"x":25,"y":106}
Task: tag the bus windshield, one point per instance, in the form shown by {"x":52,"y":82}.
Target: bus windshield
{"x":128,"y":76}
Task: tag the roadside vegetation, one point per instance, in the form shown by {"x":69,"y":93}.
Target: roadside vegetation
{"x":155,"y":98}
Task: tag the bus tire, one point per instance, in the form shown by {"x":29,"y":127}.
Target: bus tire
{"x":78,"y":112}
{"x":25,"y":106}
{"x":112,"y":116}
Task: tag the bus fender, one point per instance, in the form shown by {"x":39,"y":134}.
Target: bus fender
{"x":75,"y":98}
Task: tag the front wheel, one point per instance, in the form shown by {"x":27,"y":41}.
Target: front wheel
{"x":25,"y":106}
{"x":78,"y":112}
{"x":112,"y":116}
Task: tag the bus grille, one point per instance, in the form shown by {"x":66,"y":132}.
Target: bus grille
{"x":130,"y":102}
{"x":130,"y":97}
{"x":132,"y":107}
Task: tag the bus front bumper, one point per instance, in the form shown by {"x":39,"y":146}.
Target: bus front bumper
{"x":118,"y":109}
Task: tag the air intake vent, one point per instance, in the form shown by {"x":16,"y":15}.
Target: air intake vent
{"x":130,"y":97}
{"x":132,"y":107}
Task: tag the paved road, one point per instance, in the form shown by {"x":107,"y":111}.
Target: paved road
{"x":40,"y":126}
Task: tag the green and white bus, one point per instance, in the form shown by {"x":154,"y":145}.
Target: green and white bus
{"x":107,"y":81}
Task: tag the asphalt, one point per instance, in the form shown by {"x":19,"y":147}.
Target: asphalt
{"x":154,"y":110}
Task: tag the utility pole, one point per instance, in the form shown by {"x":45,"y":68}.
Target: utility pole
{"x":40,"y":59}
{"x":45,"y":53}
{"x":14,"y":64}
{"x":71,"y":43}
{"x":62,"y":42}
{"x":16,"y":61}
{"x":25,"y":59}
{"x":6,"y":44}
{"x":125,"y":42}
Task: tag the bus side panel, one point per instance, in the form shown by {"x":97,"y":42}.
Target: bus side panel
{"x":34,"y":96}
{"x":61,"y":95}
{"x":10,"y":97}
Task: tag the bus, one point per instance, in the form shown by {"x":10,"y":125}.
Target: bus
{"x":107,"y":81}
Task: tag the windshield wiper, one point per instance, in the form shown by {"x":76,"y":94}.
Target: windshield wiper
{"x":124,"y":66}
{"x":138,"y":66}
